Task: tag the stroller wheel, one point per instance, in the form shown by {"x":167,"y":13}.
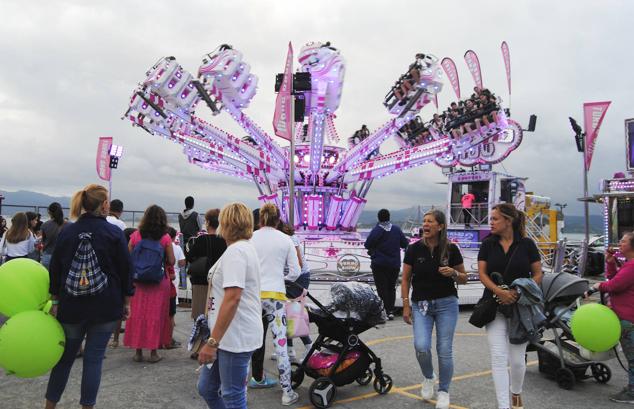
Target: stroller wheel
{"x":322,"y":392}
{"x":297,"y":375}
{"x":565,"y":378}
{"x":366,"y":378}
{"x":601,"y":372}
{"x":383,"y":384}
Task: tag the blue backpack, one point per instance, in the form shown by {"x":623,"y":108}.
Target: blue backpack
{"x":148,"y":257}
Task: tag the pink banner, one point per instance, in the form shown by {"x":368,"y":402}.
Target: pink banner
{"x":282,"y":119}
{"x":507,"y":63}
{"x":103,"y":157}
{"x":474,"y":67}
{"x":593,"y":113}
{"x":452,"y":73}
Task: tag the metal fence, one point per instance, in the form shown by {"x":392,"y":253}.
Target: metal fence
{"x":130,"y":217}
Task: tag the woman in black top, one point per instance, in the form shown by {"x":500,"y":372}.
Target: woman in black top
{"x":432,"y":267}
{"x":207,"y":245}
{"x":509,"y":252}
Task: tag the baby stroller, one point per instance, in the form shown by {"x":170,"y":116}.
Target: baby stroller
{"x":560,"y":357}
{"x":338,"y":357}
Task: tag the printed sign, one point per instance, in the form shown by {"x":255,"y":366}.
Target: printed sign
{"x":465,"y":239}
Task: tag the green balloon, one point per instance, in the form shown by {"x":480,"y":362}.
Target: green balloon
{"x":47,"y":307}
{"x":23,"y":286}
{"x":31,"y":343}
{"x":596,"y":327}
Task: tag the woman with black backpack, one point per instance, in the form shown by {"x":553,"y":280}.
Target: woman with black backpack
{"x":90,"y":285}
{"x":201,"y":253}
{"x":151,"y":248}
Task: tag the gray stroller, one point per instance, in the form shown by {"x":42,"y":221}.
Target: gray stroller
{"x":559,"y":356}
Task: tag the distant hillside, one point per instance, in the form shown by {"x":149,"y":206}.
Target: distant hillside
{"x":30,"y":199}
{"x":576,"y":224}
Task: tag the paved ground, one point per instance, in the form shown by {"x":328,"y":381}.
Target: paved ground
{"x":171,"y":383}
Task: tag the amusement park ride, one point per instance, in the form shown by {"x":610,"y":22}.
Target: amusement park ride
{"x":331,"y":182}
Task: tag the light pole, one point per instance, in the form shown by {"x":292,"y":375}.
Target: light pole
{"x":116,"y":152}
{"x":580,"y":139}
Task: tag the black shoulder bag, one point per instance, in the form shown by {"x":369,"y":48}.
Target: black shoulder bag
{"x":198,"y":268}
{"x":487,"y":306}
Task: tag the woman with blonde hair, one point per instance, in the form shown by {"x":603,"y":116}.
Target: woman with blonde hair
{"x":149,"y":324}
{"x":90,"y":307}
{"x":507,"y":251}
{"x":432,"y":267}
{"x":18,"y":241}
{"x":234,"y":315}
{"x":275,"y":251}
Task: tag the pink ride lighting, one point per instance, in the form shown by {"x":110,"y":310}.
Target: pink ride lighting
{"x":334,"y":212}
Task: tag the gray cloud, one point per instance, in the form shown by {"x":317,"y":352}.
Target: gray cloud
{"x":70,"y":67}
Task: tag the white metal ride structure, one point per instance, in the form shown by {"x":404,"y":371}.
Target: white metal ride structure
{"x":331,"y":182}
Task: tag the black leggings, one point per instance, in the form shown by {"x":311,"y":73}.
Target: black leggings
{"x":385,"y":281}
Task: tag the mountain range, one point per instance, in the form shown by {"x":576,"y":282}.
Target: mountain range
{"x":24,"y":200}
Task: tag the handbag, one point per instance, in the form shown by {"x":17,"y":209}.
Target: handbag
{"x":487,"y":306}
{"x":198,"y":267}
{"x":297,"y":322}
{"x":196,"y":343}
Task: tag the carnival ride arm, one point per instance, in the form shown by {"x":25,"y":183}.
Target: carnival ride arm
{"x":397,"y":161}
{"x":361,"y":150}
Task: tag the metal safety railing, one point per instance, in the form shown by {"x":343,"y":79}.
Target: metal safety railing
{"x":479,"y":214}
{"x":130,"y":217}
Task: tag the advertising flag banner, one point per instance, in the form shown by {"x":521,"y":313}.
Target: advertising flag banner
{"x":103,"y":157}
{"x":507,"y":63}
{"x":282,"y":118}
{"x":452,"y":73}
{"x":474,"y":67}
{"x":593,"y":114}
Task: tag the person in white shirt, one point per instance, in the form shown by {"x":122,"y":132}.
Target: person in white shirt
{"x":234,"y":315}
{"x":114,"y":216}
{"x":18,"y":241}
{"x":275,"y":251}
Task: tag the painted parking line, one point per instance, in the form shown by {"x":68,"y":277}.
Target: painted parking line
{"x":411,"y":395}
{"x":399,"y":338}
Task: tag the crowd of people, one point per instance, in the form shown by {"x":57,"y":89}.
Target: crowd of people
{"x":242,"y":261}
{"x":458,"y":119}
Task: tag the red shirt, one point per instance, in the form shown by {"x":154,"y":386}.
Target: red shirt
{"x":620,"y":287}
{"x":467,"y":200}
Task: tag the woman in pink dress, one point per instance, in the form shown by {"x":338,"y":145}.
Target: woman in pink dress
{"x":149,"y":324}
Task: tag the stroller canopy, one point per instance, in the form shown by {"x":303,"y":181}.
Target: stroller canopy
{"x":560,"y":285}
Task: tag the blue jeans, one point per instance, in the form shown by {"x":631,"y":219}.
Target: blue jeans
{"x":45,"y":260}
{"x":97,"y":336}
{"x":225,"y":384}
{"x":627,"y":343}
{"x":444,"y":313}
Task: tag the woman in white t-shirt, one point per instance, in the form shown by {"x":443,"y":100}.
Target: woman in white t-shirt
{"x":18,"y":241}
{"x":234,"y":314}
{"x":275,"y":251}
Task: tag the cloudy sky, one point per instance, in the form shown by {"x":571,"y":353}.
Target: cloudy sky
{"x":68,"y":69}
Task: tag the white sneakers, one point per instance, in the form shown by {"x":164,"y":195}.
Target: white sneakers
{"x":443,"y":400}
{"x":289,"y":398}
{"x":427,"y":388}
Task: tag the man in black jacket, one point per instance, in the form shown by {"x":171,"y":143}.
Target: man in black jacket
{"x":384,"y":246}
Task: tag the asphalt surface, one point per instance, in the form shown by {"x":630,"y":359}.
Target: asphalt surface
{"x":171,"y":383}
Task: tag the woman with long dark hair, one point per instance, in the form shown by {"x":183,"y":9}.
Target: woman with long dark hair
{"x":432,"y":267}
{"x":18,"y":241}
{"x":211,"y":247}
{"x":510,"y":253}
{"x":149,"y":323}
{"x":50,"y":231}
{"x":94,"y":314}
